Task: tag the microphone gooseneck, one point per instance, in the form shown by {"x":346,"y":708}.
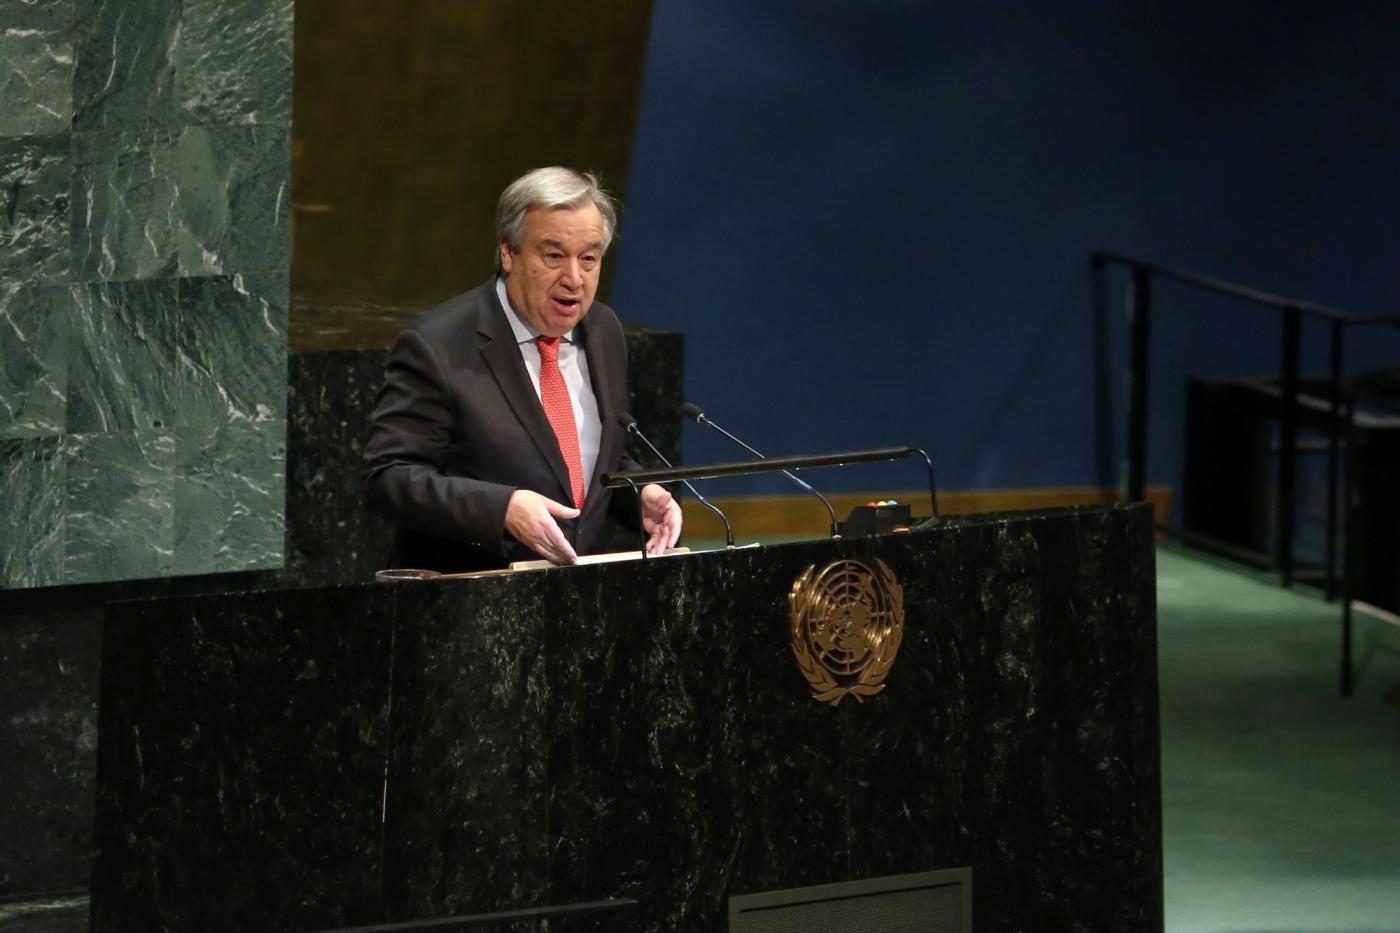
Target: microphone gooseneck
{"x":693,"y":412}
{"x":629,"y":424}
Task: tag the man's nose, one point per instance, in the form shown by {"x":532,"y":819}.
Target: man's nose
{"x":573,"y":274}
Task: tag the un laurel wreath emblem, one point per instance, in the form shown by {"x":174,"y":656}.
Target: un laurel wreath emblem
{"x":847,"y":620}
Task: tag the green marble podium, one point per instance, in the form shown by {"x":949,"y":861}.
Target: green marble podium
{"x":348,"y":755}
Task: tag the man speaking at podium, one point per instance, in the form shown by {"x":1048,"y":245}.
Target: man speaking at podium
{"x":498,"y":414}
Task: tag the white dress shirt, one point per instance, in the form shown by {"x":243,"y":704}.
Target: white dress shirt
{"x":573,"y":364}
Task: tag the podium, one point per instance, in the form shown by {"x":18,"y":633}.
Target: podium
{"x":308,"y":759}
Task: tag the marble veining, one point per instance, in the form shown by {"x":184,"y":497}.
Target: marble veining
{"x":34,"y":323}
{"x":33,"y":472}
{"x":234,"y":62}
{"x":195,"y":201}
{"x":182,"y":62}
{"x":34,"y":192}
{"x":221,"y":526}
{"x":125,"y":197}
{"x":124,"y":74}
{"x":118,"y":515}
{"x":231,"y":346}
{"x":36,"y":66}
{"x":205,"y":358}
{"x":123,"y":371}
{"x":52,"y":913}
{"x":234,"y":203}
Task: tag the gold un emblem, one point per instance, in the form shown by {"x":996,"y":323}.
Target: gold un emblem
{"x":847,"y":621}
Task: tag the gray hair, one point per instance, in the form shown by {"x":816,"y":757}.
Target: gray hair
{"x":549,"y":187}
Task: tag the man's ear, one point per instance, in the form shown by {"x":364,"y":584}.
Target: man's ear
{"x":506,"y":256}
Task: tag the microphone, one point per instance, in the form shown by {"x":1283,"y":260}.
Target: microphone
{"x":629,"y":424}
{"x":693,"y":412}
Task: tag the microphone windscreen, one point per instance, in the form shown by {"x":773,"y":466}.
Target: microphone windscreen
{"x":692,"y":411}
{"x":625,"y":419}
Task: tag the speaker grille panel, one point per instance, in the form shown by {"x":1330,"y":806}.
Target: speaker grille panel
{"x":932,"y":902}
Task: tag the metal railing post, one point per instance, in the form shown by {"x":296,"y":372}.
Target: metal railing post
{"x":1288,"y":442}
{"x":1334,"y":443}
{"x":1348,"y":546}
{"x":1139,"y":312}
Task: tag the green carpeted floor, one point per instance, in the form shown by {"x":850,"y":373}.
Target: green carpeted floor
{"x":1281,"y":801}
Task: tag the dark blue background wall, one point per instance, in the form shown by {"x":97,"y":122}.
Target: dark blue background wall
{"x":873,"y":221}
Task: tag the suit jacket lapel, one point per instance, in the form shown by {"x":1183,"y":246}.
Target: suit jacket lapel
{"x":502,"y":355}
{"x":599,"y":365}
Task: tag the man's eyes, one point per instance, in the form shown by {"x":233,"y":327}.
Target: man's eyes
{"x":587,"y":259}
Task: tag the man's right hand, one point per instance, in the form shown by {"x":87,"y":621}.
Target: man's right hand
{"x":530,"y":519}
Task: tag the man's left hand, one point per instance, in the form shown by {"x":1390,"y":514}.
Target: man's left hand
{"x":661,"y":519}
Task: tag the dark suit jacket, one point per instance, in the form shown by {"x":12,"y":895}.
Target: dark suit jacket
{"x":458,"y":427}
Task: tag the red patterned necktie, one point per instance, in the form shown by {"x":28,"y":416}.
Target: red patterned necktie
{"x":559,"y":409}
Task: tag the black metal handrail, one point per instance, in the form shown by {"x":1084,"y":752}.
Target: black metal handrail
{"x":1342,"y":412}
{"x":1229,"y":288}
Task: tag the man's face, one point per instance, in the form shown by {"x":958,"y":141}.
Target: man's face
{"x":552,"y":280}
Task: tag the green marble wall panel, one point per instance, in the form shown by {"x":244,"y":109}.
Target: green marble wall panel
{"x":34,"y":173}
{"x":178,"y":202}
{"x":231,"y":526}
{"x":233,"y":63}
{"x":123,"y":368}
{"x":125,"y":194}
{"x":182,"y":62}
{"x":36,"y":66}
{"x":162,"y":353}
{"x":119,"y":509}
{"x":232,"y":342}
{"x":144,"y":259}
{"x":125,"y":63}
{"x":234,"y":204}
{"x":34,"y":322}
{"x":33,"y":471}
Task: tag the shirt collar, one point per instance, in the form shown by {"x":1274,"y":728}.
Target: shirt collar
{"x":524,"y":332}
